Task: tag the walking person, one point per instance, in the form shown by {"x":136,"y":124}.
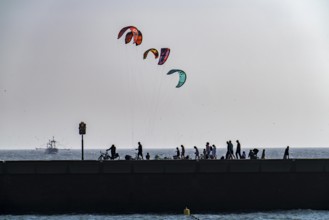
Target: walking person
{"x":238,"y":150}
{"x":231,"y":150}
{"x":286,"y":153}
{"x":140,"y":151}
{"x":197,"y":155}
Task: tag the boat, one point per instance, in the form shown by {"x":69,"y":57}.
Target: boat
{"x":51,"y":147}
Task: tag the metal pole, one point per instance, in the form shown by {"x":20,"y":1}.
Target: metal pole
{"x":82,"y":156}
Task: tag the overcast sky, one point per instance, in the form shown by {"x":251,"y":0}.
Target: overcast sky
{"x":257,"y":71}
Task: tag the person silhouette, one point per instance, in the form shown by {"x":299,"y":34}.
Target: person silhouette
{"x":214,"y":153}
{"x":113,"y":151}
{"x":286,"y":153}
{"x":140,"y":151}
{"x":177,"y":153}
{"x":197,"y":155}
{"x":263,"y":155}
{"x":183,"y":152}
{"x":238,"y":150}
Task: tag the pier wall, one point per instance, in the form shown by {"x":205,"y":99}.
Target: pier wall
{"x":163,"y":186}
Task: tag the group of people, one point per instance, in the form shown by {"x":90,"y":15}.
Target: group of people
{"x":230,"y":151}
{"x":209,"y":152}
{"x":180,"y":154}
{"x":115,"y":155}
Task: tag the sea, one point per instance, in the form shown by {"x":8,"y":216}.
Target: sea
{"x":93,"y":154}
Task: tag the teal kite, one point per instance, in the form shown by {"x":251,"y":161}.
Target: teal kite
{"x":182,"y":76}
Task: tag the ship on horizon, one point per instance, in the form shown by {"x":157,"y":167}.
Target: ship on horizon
{"x":50,"y":147}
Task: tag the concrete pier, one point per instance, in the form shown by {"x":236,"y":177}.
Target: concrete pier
{"x":163,"y":186}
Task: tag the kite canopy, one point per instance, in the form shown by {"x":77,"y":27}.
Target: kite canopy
{"x":129,"y":36}
{"x":164,"y":55}
{"x":182,"y":76}
{"x":139,"y":38}
{"x":154,"y":51}
{"x":134,"y":32}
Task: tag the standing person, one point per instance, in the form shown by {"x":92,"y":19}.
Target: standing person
{"x":286,"y":153}
{"x":227,"y":150}
{"x":207,"y":150}
{"x":263,"y":155}
{"x":238,"y":150}
{"x":197,"y":155}
{"x":214,"y":156}
{"x":140,"y":151}
{"x":251,"y":155}
{"x":231,"y":150}
{"x":113,"y":150}
{"x":183,"y":152}
{"x":177,"y":153}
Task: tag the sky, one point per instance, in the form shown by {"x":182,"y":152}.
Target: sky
{"x":257,"y":71}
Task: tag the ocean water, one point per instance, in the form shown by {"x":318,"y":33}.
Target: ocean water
{"x":64,"y":154}
{"x":273,"y":153}
{"x":273,"y":215}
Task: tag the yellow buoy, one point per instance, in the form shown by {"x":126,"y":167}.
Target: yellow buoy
{"x":187,"y":211}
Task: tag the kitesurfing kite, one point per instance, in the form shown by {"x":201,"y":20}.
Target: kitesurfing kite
{"x":134,"y":33}
{"x":182,"y":76}
{"x":139,"y":39}
{"x":164,"y":55}
{"x":129,"y":36}
{"x":152,"y":50}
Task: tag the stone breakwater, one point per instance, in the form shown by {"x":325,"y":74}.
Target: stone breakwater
{"x":163,"y":186}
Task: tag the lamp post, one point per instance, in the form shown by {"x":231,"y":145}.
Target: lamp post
{"x":82,"y":131}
